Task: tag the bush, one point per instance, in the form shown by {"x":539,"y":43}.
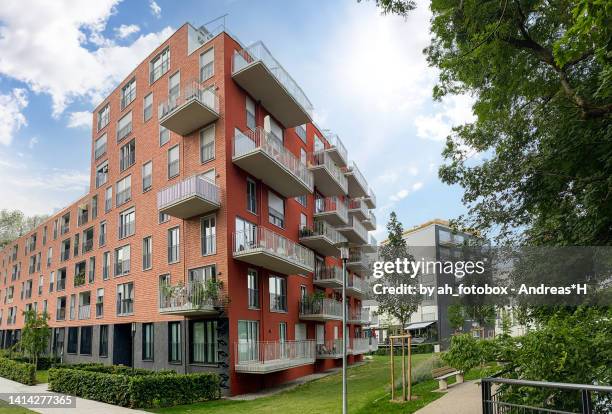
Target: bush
{"x":464,"y":353}
{"x":118,"y":385}
{"x":43,"y":363}
{"x":17,"y":371}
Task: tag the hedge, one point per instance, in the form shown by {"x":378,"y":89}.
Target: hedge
{"x":416,"y":349}
{"x":18,"y":371}
{"x":43,"y":363}
{"x":145,"y":389}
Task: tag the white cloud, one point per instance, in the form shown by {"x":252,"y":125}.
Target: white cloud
{"x":11,"y":117}
{"x":125,"y":30}
{"x":32,"y":143}
{"x":155,"y":9}
{"x":454,"y":110}
{"x":58,"y":48}
{"x":81,"y":119}
{"x":404,"y":192}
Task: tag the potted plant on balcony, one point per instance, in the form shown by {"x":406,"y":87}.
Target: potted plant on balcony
{"x":212,"y":291}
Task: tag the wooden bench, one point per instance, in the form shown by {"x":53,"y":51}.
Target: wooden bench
{"x":443,"y":373}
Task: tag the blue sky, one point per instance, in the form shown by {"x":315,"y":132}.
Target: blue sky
{"x":364,"y":73}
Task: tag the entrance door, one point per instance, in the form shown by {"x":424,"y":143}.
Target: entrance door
{"x":122,"y":344}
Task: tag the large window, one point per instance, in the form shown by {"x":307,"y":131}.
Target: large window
{"x":276,"y":210}
{"x":147,"y":111}
{"x":207,"y":64}
{"x":73,"y":340}
{"x":124,"y":126}
{"x":60,"y":314}
{"x":88,"y":240}
{"x":106,"y":264}
{"x":103,"y":116}
{"x":128,"y":93}
{"x":278,"y":293}
{"x":208,"y":235}
{"x":245,"y":234}
{"x":276,"y":130}
{"x":147,"y":252}
{"x":124,"y":190}
{"x":125,"y":299}
{"x":147,"y":176}
{"x":127,"y":223}
{"x":207,"y":144}
{"x":203,"y":274}
{"x":122,"y":260}
{"x":164,"y":135}
{"x":173,"y":245}
{"x":86,"y":333}
{"x":174,"y":342}
{"x":127,"y":155}
{"x":173,"y":161}
{"x":108,"y":199}
{"x":253,"y":288}
{"x":251,"y":196}
{"x":147,"y":342}
{"x":102,"y":235}
{"x":159,"y":65}
{"x":102,"y":174}
{"x":203,"y":345}
{"x":250,"y":113}
{"x":100,"y":147}
{"x":103,"y":349}
{"x":248,"y":336}
{"x":174,"y":87}
{"x":301,"y":131}
{"x":100,"y":302}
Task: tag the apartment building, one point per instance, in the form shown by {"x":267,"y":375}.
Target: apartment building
{"x":209,"y":239}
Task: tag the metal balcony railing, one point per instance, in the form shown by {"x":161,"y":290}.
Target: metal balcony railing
{"x":192,"y":186}
{"x":258,"y":52}
{"x":358,"y":175}
{"x":251,"y":141}
{"x":356,"y":255}
{"x":328,"y":273}
{"x":323,"y":158}
{"x":335,"y":142}
{"x":357,"y":227}
{"x":260,"y":356}
{"x":321,"y":228}
{"x":84,"y":311}
{"x":331,"y":205}
{"x":192,"y":91}
{"x":263,"y":239}
{"x":190,"y":297}
{"x":358,"y":316}
{"x":357,"y":204}
{"x":360,"y":345}
{"x":321,"y":306}
{"x":331,"y":348}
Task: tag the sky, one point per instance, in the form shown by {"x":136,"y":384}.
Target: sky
{"x":364,"y":73}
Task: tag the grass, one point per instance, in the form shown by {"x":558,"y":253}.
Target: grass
{"x":368,"y":392}
{"x":42,"y":376}
{"x":5,"y":408}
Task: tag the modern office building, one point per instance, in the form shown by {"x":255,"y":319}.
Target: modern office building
{"x":209,"y":239}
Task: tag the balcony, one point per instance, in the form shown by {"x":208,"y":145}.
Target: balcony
{"x":263,"y":155}
{"x":357,"y":261}
{"x":328,"y":178}
{"x":355,"y":286}
{"x":195,"y":108}
{"x":332,"y":210}
{"x":328,"y":277}
{"x":358,"y":208}
{"x":370,"y":199}
{"x":270,"y":250}
{"x":357,"y":184}
{"x":259,"y":73}
{"x":370,"y":221}
{"x":191,"y":197}
{"x":330,"y":349}
{"x":371,"y":247}
{"x":336,"y":149}
{"x":263,"y":357}
{"x":320,"y":309}
{"x":360,"y":346}
{"x":322,"y":238}
{"x":358,"y":317}
{"x":194,"y":298}
{"x":354,"y":231}
{"x":84,"y":312}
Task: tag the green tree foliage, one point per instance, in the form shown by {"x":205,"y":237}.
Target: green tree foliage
{"x":463,"y":354}
{"x":13,"y":224}
{"x":456,"y":316}
{"x":399,"y":7}
{"x":35,"y":335}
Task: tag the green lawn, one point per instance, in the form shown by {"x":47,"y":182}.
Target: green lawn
{"x":42,"y":376}
{"x":368,"y":392}
{"x":5,"y":408}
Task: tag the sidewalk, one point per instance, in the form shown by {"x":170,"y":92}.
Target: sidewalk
{"x":82,"y":405}
{"x":459,"y":399}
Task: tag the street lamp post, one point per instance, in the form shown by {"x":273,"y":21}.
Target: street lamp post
{"x":132,"y":350}
{"x":344,"y":254}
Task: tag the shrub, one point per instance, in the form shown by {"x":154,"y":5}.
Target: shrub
{"x":43,"y":362}
{"x":162,"y":390}
{"x":18,"y":371}
{"x":463,"y":354}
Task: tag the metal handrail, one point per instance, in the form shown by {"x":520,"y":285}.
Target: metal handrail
{"x":331,"y":204}
{"x":193,"y":295}
{"x":358,"y":204}
{"x":334,"y":142}
{"x":192,"y":186}
{"x":358,"y":175}
{"x":322,"y":158}
{"x":321,"y":306}
{"x":328,"y":273}
{"x":321,"y":228}
{"x":193,"y":90}
{"x":261,"y":352}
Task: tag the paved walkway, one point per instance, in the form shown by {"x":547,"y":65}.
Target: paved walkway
{"x":459,"y":399}
{"x":82,"y":405}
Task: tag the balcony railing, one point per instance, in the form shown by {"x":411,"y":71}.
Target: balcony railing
{"x":193,"y":298}
{"x":354,"y":231}
{"x":60,"y":315}
{"x":264,"y":84}
{"x":329,"y":179}
{"x":370,"y":199}
{"x":195,"y":107}
{"x":251,"y":143}
{"x":336,"y":148}
{"x":358,"y":186}
{"x":87,"y":245}
{"x":358,"y":317}
{"x":332,"y":209}
{"x":355,"y":286}
{"x":358,"y":260}
{"x":373,"y":344}
{"x":328,"y":276}
{"x":358,"y":208}
{"x":331,"y":348}
{"x":261,"y":357}
{"x":190,"y":197}
{"x":264,"y":247}
{"x":320,"y":309}
{"x":322,"y":237}
{"x":84,"y":311}
{"x":360,"y":346}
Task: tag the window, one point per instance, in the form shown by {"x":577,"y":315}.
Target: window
{"x":148,"y":107}
{"x":174,"y":88}
{"x":173,"y":162}
{"x":207,"y":144}
{"x":301,"y":131}
{"x":102,"y":237}
{"x":173,"y":245}
{"x":250,"y":113}
{"x":72,"y":306}
{"x":88,"y":240}
{"x":103,"y":116}
{"x":208,"y":235}
{"x":147,"y":176}
{"x":278,"y":293}
{"x":276,"y":210}
{"x":122,"y":260}
{"x":207,"y":64}
{"x":128,"y":93}
{"x":102,"y":174}
{"x":276,"y":130}
{"x":127,"y":155}
{"x":248,"y":337}
{"x":163,"y":217}
{"x":82,"y":214}
{"x":79,"y":274}
{"x":94,"y":207}
{"x":106,"y":264}
{"x":51,"y":281}
{"x":103,"y":349}
{"x":85,"y":348}
{"x":164,"y":135}
{"x":125,"y":299}
{"x":100,"y":302}
{"x":147,"y":247}
{"x":202,"y":274}
{"x":303,"y":221}
{"x":127,"y":223}
{"x":61,"y":279}
{"x":65,"y":250}
{"x":92,"y":270}
{"x":147,"y":342}
{"x":159,"y":65}
{"x":245,"y":234}
{"x":318,"y":144}
{"x":124,"y":190}
{"x":73,"y":335}
{"x":174,"y":342}
{"x":253,"y":289}
{"x":251,"y":196}
{"x":124,"y":126}
{"x":203,"y":346}
{"x":100,"y":147}
{"x":108,"y":199}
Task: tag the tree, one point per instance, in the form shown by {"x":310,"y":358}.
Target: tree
{"x":13,"y":224}
{"x":456,"y":317}
{"x":399,"y":306}
{"x":463,"y":354}
{"x":35,"y":335}
{"x":506,"y":322}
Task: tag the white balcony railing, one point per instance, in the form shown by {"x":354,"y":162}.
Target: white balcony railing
{"x":328,"y":274}
{"x":190,"y":187}
{"x":335,"y":142}
{"x":321,"y":306}
{"x":360,"y":346}
{"x":84,"y":311}
{"x":358,"y":175}
{"x":191,"y":297}
{"x":322,"y":158}
{"x":358,"y":205}
{"x":258,"y":52}
{"x":331,"y":348}
{"x":331,"y":205}
{"x":270,"y":356}
{"x":356,"y":227}
{"x":192,"y":91}
{"x":321,"y":228}
{"x":262,"y":239}
{"x":261,"y":140}
{"x":373,"y":344}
